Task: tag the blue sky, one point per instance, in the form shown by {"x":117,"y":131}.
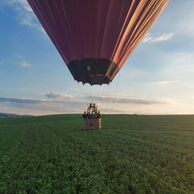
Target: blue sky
{"x":158,"y":78}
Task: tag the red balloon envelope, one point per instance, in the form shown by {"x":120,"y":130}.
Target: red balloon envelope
{"x":95,"y":37}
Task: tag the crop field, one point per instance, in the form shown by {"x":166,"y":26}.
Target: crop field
{"x":132,"y":154}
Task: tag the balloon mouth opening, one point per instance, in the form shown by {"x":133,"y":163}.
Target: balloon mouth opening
{"x":94,"y":80}
{"x":92,"y":71}
{"x":97,"y":80}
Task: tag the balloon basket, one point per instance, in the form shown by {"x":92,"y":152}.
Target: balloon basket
{"x":92,"y":117}
{"x":92,"y":123}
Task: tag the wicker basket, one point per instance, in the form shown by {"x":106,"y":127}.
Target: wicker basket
{"x":92,"y":123}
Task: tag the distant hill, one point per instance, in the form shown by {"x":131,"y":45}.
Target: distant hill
{"x":9,"y":115}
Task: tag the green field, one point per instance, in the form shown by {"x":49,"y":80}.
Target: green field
{"x":131,"y":154}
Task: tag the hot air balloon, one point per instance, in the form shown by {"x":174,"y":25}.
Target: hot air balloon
{"x":96,"y":37}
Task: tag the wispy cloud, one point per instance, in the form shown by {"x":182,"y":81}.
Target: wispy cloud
{"x":19,"y":100}
{"x":24,"y":12}
{"x":149,"y":38}
{"x":25,"y":65}
{"x":59,"y":96}
{"x":124,"y":105}
{"x":22,"y":3}
{"x":50,"y":98}
{"x":63,"y":103}
{"x":39,"y":106}
{"x":162,"y":82}
{"x":122,"y":100}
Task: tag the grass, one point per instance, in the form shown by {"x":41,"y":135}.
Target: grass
{"x":131,"y":154}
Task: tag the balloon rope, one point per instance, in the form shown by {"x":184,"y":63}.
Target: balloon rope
{"x":114,"y":100}
{"x":101,"y":99}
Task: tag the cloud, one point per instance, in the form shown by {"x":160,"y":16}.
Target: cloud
{"x":162,"y":82}
{"x":149,"y":38}
{"x":21,"y":3}
{"x":122,"y":100}
{"x":45,"y":106}
{"x":19,"y":100}
{"x":57,"y":95}
{"x":25,"y":65}
{"x":40,"y":106}
{"x":24,"y":12}
{"x":52,"y":98}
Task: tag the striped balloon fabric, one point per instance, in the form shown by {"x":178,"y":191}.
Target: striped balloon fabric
{"x":96,"y":37}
